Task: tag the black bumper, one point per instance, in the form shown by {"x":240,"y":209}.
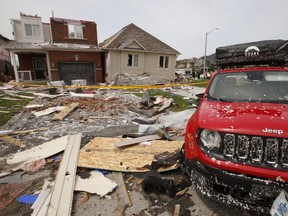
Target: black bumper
{"x":233,"y":189}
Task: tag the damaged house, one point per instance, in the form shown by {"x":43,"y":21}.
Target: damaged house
{"x":134,"y":51}
{"x":5,"y":63}
{"x":63,"y":49}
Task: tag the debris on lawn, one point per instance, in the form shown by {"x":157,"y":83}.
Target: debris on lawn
{"x":104,"y":129}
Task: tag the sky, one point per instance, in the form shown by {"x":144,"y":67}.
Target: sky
{"x":182,"y":24}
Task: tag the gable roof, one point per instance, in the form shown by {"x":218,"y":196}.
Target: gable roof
{"x":131,"y":33}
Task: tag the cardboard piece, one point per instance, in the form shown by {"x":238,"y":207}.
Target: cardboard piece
{"x":101,"y":153}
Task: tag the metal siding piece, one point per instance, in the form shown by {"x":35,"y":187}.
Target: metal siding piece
{"x":62,"y":194}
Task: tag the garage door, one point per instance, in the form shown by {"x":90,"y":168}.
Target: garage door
{"x":74,"y":71}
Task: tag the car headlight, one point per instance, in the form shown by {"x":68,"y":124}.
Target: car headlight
{"x":210,"y":139}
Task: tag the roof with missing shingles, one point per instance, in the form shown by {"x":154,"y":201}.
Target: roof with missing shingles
{"x":132,"y":33}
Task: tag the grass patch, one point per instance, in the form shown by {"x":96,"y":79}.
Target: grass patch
{"x":9,"y":108}
{"x":179,"y":104}
{"x":199,"y":83}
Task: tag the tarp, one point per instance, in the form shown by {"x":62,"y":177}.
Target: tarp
{"x":272,"y":52}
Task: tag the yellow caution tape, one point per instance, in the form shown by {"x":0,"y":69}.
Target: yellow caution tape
{"x":109,"y":87}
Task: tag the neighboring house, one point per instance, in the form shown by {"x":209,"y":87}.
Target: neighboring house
{"x":63,"y":49}
{"x":210,"y":61}
{"x":185,"y":66}
{"x":5,"y":62}
{"x":134,"y":51}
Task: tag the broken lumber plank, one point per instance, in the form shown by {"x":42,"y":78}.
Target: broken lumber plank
{"x":176,"y":210}
{"x":30,"y":131}
{"x":48,"y":111}
{"x":13,"y":141}
{"x":123,"y":197}
{"x":9,"y":192}
{"x":12,"y":132}
{"x":60,"y":116}
{"x":62,"y":194}
{"x":128,"y":142}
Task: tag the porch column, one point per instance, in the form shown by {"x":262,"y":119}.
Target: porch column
{"x":48,"y":66}
{"x":14,"y":63}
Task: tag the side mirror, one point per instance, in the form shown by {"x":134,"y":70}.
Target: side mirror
{"x":199,"y":98}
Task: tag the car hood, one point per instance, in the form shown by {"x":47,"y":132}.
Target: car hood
{"x":262,"y":119}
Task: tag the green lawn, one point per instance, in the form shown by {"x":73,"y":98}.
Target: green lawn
{"x":179,"y":104}
{"x":8,"y":108}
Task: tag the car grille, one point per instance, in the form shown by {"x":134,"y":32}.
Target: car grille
{"x":261,"y":151}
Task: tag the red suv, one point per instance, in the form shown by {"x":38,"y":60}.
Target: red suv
{"x":236,"y":142}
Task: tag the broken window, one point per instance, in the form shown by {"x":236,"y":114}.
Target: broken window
{"x":163,"y":62}
{"x":32,"y":30}
{"x":132,"y":60}
{"x":75,"y":31}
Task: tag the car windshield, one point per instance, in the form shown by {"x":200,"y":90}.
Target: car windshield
{"x":254,"y":86}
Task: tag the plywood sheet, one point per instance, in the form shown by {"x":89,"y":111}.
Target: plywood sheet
{"x":101,"y":153}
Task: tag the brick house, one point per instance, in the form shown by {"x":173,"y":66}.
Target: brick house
{"x":5,"y":63}
{"x":63,"y":49}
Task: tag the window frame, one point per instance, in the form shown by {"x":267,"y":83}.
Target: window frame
{"x":72,"y":28}
{"x":35,"y":30}
{"x":163,"y":61}
{"x":133,"y":60}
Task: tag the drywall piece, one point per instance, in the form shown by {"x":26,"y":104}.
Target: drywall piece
{"x":166,"y":103}
{"x":33,"y":106}
{"x":62,"y":194}
{"x":81,"y":95}
{"x":65,"y":112}
{"x":97,"y":183}
{"x":123,"y":197}
{"x":176,"y":120}
{"x":13,"y":141}
{"x":42,"y":95}
{"x":101,"y":153}
{"x":5,"y":132}
{"x":44,"y":150}
{"x":48,"y":111}
{"x":128,"y":142}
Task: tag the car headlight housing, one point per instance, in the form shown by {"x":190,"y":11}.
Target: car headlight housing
{"x":210,"y":139}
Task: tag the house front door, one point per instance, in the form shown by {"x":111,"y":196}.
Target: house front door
{"x":39,"y":68}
